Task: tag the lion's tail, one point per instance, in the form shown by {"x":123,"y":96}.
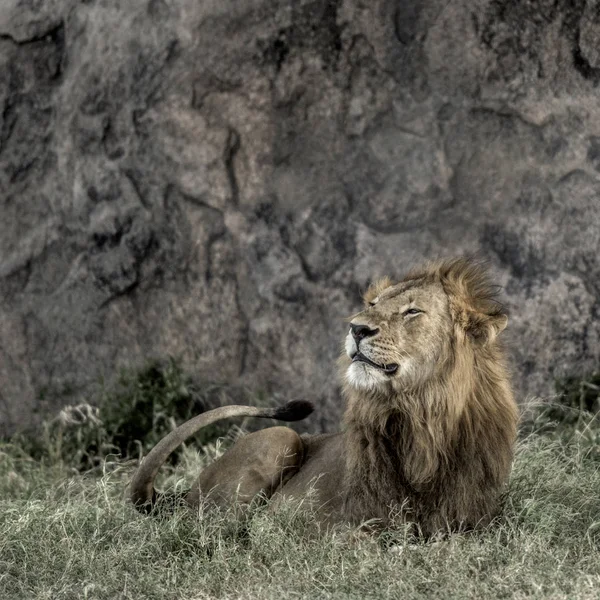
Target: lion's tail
{"x":142,"y":492}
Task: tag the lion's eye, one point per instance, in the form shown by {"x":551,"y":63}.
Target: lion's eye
{"x":412,"y":311}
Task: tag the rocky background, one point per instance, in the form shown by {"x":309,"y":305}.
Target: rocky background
{"x":217,"y":180}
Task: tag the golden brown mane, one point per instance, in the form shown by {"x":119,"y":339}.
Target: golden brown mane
{"x":445,"y":448}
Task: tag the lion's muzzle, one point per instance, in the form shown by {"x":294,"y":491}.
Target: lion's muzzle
{"x":359,"y":332}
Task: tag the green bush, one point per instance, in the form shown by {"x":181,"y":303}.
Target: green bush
{"x":129,"y":417}
{"x":573,"y":415}
{"x":578,"y":395}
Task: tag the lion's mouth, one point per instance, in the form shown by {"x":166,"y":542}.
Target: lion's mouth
{"x":389,"y":369}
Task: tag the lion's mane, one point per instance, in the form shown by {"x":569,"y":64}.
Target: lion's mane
{"x":442,"y":451}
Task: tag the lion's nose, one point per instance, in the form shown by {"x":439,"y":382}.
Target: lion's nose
{"x":360,"y":332}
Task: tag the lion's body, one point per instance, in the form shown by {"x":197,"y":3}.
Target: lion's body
{"x":323,"y":472}
{"x":430,"y":419}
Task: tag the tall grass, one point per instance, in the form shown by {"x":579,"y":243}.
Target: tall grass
{"x":70,"y":534}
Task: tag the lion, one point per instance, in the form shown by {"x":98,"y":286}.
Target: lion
{"x":429,"y":425}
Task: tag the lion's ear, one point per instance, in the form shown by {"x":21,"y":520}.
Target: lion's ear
{"x":376,"y":288}
{"x":485,"y":328}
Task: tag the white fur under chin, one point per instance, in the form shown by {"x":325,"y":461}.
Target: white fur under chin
{"x":360,"y":375}
{"x":364,"y":377}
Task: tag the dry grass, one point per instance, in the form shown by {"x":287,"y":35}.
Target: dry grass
{"x":66,"y":534}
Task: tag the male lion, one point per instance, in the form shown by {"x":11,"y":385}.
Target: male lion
{"x":430,"y":420}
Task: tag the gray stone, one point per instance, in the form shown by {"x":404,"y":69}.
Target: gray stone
{"x":219,"y":180}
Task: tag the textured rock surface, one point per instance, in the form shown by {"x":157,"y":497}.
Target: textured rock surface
{"x":218,"y":180}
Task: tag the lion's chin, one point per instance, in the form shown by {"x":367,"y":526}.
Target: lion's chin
{"x":362,"y":376}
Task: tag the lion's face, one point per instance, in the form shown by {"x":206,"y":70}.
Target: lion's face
{"x":401,"y":338}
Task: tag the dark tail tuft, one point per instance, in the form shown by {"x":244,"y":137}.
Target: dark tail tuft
{"x":296,"y":410}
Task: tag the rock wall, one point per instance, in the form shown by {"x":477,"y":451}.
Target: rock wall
{"x":218,"y":180}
